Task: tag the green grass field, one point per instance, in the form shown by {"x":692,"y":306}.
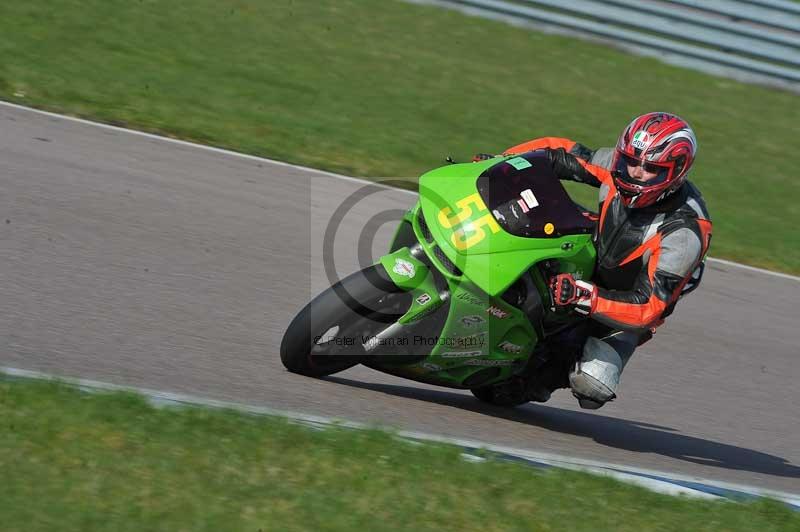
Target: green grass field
{"x":73,"y":461}
{"x":386,"y":88}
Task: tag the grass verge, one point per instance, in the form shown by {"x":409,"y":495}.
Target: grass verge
{"x":77,"y":461}
{"x":387,"y":88}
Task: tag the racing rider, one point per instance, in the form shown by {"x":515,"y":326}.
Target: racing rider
{"x":651,"y":237}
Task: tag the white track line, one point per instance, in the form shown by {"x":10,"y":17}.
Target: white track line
{"x":224,"y":151}
{"x":754,"y":269}
{"x":618,"y":471}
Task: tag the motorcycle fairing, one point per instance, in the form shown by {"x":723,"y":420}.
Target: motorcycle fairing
{"x":454,"y":211}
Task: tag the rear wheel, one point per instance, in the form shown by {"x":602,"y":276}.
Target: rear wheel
{"x":327,"y":336}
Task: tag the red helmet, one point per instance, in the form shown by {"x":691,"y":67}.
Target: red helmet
{"x":652,"y":158}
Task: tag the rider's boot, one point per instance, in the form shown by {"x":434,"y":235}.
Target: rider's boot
{"x":539,"y":393}
{"x":551,"y":377}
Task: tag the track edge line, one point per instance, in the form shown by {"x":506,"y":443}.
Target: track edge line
{"x":540,"y":458}
{"x":229,"y":152}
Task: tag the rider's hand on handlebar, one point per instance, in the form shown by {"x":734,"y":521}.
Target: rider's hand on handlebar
{"x":566,"y":291}
{"x":478,"y":157}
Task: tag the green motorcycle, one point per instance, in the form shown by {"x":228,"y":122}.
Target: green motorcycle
{"x":462,"y":299}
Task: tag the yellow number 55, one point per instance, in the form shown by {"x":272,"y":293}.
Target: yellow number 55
{"x":459,"y":238}
{"x":445,"y":215}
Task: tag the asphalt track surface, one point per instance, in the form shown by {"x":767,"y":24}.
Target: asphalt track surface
{"x":141,"y":262}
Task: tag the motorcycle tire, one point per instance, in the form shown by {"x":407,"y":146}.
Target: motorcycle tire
{"x":325,"y":337}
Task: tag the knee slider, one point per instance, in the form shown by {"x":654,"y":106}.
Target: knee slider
{"x":595,"y":377}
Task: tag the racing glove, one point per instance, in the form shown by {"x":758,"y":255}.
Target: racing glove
{"x":566,"y":291}
{"x":478,"y":157}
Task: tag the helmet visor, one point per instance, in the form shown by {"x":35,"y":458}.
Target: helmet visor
{"x":640,"y":173}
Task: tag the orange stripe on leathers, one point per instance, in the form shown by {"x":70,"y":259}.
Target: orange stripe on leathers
{"x":653,"y":244}
{"x":554,"y":143}
{"x":605,"y":177}
{"x":646,"y":315}
{"x":602,"y":174}
{"x":705,"y":230}
{"x":541,"y":143}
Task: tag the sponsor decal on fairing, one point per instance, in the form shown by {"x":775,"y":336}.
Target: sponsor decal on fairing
{"x":472,"y":321}
{"x":461,"y":354}
{"x":519,"y":163}
{"x":497,"y":312}
{"x":508,"y":347}
{"x":530,"y":199}
{"x":484,"y":362}
{"x":469,"y":298}
{"x":404,"y":268}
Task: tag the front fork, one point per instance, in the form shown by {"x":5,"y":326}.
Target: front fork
{"x":410,"y":274}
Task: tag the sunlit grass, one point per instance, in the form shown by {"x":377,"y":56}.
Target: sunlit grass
{"x":387,"y":88}
{"x":74,"y":461}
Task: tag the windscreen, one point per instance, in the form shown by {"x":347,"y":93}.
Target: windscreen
{"x":527,"y":199}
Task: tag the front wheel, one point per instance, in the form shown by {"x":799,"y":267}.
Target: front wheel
{"x":327,"y":336}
